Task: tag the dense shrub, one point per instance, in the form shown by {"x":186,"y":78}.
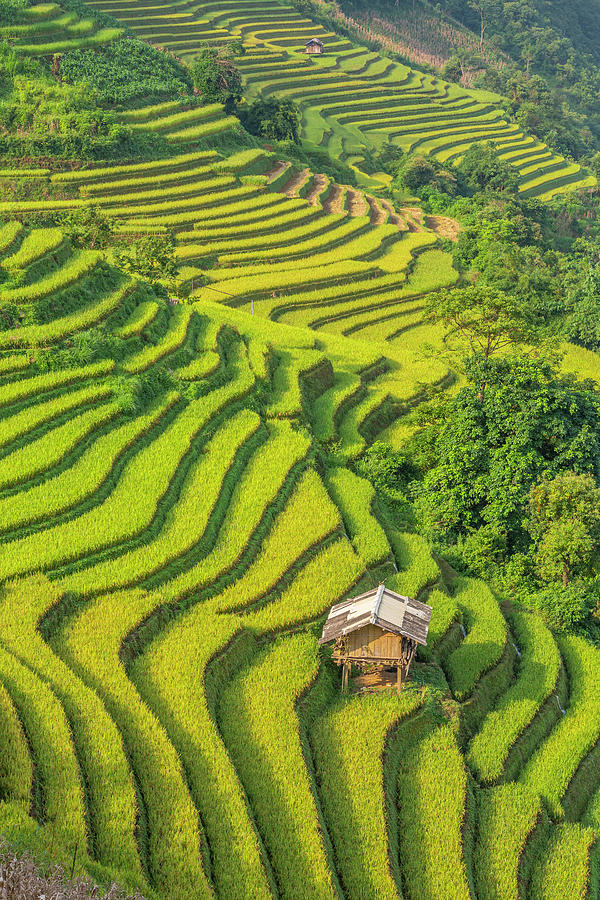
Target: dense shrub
{"x":272,"y":119}
{"x":125,"y":71}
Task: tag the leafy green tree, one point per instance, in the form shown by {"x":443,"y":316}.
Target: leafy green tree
{"x":152,"y":257}
{"x":387,"y":469}
{"x":492,"y":448}
{"x":482,"y":320}
{"x":418,"y":172}
{"x":126,"y":70}
{"x":88,"y":227}
{"x":564,"y":522}
{"x":482,"y":169}
{"x":273,"y":119}
{"x":216,"y":77}
{"x":389,"y":159}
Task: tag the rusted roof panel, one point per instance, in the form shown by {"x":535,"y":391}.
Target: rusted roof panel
{"x":382,"y":607}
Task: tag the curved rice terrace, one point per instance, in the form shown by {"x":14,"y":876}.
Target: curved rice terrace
{"x":165,"y":707}
{"x":176,"y":517}
{"x":352,"y":100}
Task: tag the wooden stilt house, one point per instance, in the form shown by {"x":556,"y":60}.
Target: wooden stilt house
{"x":378,"y":628}
{"x":315,"y":45}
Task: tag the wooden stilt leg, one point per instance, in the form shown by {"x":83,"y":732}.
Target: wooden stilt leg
{"x":399,"y":678}
{"x":345,"y":674}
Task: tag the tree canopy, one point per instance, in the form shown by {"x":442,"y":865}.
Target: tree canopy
{"x":272,"y":118}
{"x":216,"y":77}
{"x":493,"y":449}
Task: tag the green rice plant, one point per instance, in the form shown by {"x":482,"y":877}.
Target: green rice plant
{"x":202,"y":366}
{"x":221,"y":240}
{"x":157,"y":165}
{"x":352,"y":441}
{"x":49,"y":738}
{"x":35,"y":415}
{"x":485,"y":640}
{"x":348,"y":744}
{"x":141,"y":316}
{"x":432,"y":807}
{"x":149,"y":112}
{"x":328,"y":577}
{"x":508,"y":815}
{"x":239,"y":161}
{"x":293,"y":366}
{"x":253,"y":284}
{"x":252,"y":497}
{"x":400,"y":254}
{"x":552,"y":766}
{"x":167,"y":191}
{"x":176,"y":333}
{"x":102,"y":36}
{"x":28,"y":387}
{"x":180,"y":700}
{"x":187,"y":522}
{"x":328,"y":406}
{"x":77,"y":267}
{"x":38,"y":242}
{"x":284,"y":545}
{"x":536,"y":680}
{"x":110,"y":792}
{"x":354,"y":498}
{"x":32,"y":335}
{"x":14,"y":363}
{"x":168,"y":122}
{"x":261,"y":731}
{"x":8,"y":235}
{"x":360,"y":246}
{"x":445,"y":612}
{"x":212,"y":202}
{"x":79,"y":482}
{"x":564,"y":869}
{"x":418,"y":569}
{"x":24,"y":173}
{"x":16,"y":769}
{"x":199,"y":132}
{"x":50,"y":449}
{"x":23,"y":206}
{"x":140,"y":181}
{"x":89,"y":643}
{"x":146,"y":477}
{"x":334,"y":237}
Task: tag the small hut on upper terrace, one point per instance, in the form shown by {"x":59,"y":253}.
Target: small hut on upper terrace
{"x":378,"y":628}
{"x":315,"y":45}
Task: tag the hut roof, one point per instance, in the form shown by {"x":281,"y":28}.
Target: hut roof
{"x":382,"y":607}
{"x":315,"y":41}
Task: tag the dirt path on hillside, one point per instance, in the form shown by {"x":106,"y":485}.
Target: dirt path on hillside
{"x":319,"y":182}
{"x":298,"y":179}
{"x":356,"y":203}
{"x":414,"y":217}
{"x":394,"y":217}
{"x":277,"y":169}
{"x":335,"y":202}
{"x":444,"y":226}
{"x":378,"y":214}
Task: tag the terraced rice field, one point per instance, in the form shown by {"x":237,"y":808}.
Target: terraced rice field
{"x":351,"y":99}
{"x":48,"y":29}
{"x":176,"y":517}
{"x":165,"y":708}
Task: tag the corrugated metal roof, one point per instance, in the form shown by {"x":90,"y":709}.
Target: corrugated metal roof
{"x":382,"y":607}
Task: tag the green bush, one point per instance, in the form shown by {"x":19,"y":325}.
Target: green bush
{"x":125,"y":71}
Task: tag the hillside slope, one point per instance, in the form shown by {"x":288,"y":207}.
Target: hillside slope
{"x":351,"y":98}
{"x":178,"y":511}
{"x":164,"y":706}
